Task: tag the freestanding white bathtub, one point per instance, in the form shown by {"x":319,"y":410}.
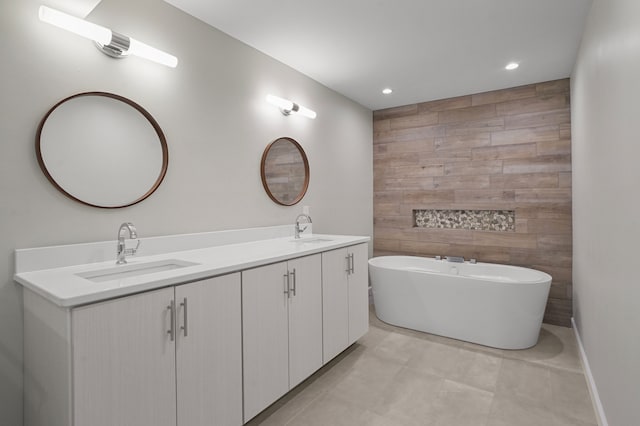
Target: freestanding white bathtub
{"x":493,"y":305}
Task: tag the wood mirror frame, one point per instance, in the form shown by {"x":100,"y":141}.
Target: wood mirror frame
{"x":65,"y":136}
{"x":281,"y":168}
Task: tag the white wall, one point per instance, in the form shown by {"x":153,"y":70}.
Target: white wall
{"x":212,"y":110}
{"x":606,"y":203}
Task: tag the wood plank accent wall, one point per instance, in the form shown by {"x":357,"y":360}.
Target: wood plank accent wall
{"x":504,"y":150}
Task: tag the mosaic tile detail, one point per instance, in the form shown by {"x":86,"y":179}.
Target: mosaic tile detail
{"x":477,"y":220}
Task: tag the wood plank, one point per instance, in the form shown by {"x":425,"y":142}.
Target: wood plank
{"x":469,"y":182}
{"x":538,"y":119}
{"x":505,"y":239}
{"x":467,"y":114}
{"x":557,"y":147}
{"x":504,"y":95}
{"x":420,"y":198}
{"x":395,"y":160}
{"x":395,"y":234}
{"x":555,"y":86}
{"x":381,"y":125}
{"x":537,"y":104}
{"x":544,"y":196}
{"x":442,"y":156}
{"x":475,"y":126}
{"x":412,"y":134}
{"x":420,"y":145}
{"x":504,"y":152}
{"x":386,"y":245}
{"x":423,"y":248}
{"x":533,"y":134}
{"x":555,"y":242}
{"x":547,"y":164}
{"x":550,"y":226}
{"x":400,"y":111}
{"x":463,"y":141}
{"x":471,"y":196}
{"x":413,"y":171}
{"x":445,"y":236}
{"x":564,"y":180}
{"x":418,"y":120}
{"x":445,"y":104}
{"x":475,"y":168}
{"x":524,"y":180}
{"x":403,"y":184}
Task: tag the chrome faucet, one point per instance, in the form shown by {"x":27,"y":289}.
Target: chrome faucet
{"x":122,"y":250}
{"x":298,"y":230}
{"x":456,"y":259}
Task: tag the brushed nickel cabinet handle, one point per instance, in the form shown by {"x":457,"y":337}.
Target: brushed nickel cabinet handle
{"x":287,"y":285}
{"x":185,"y":315}
{"x":172,"y":314}
{"x":294,"y":281}
{"x":353,"y":267}
{"x":348,"y":270}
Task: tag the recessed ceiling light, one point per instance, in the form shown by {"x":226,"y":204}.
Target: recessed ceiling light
{"x":512,"y":66}
{"x":387,"y":91}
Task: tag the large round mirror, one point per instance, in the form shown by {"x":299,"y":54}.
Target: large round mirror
{"x":285,"y":171}
{"x":102,"y":150}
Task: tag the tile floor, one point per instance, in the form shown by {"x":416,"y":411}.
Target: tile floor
{"x":398,"y":377}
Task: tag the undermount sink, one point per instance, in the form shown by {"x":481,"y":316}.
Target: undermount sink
{"x":134,"y":270}
{"x":310,"y":240}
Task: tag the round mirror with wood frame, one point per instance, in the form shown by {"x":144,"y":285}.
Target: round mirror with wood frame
{"x":102,"y":150}
{"x":285,"y":171}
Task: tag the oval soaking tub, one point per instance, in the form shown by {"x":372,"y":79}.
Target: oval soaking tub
{"x":493,"y":305}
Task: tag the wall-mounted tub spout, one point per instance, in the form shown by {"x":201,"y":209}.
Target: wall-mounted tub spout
{"x":456,"y":259}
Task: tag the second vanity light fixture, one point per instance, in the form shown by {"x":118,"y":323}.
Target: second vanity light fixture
{"x":288,"y":108}
{"x":109,"y":42}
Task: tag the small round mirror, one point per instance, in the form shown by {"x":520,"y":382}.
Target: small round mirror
{"x":285,"y":171}
{"x":102,"y":150}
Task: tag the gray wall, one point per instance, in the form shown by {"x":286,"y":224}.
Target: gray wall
{"x":212,"y":110}
{"x":606,"y":197}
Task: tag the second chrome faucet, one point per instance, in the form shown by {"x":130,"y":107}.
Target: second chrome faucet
{"x":123,"y":251}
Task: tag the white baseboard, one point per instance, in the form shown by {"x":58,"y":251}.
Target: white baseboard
{"x":591,"y":384}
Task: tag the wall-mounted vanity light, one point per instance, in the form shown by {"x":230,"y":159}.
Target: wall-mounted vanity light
{"x":109,"y":42}
{"x":287,"y":107}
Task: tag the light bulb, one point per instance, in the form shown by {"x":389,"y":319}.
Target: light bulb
{"x":143,"y":50}
{"x":75,"y":25}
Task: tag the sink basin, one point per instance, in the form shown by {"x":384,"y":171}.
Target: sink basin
{"x":133,"y":270}
{"x":310,"y":240}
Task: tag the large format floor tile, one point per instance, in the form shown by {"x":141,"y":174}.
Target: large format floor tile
{"x":399,"y":377}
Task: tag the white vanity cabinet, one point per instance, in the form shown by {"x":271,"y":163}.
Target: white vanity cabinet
{"x":282,"y":329}
{"x":174,"y":347}
{"x":345,"y":298}
{"x":123,"y":363}
{"x":159,"y":358}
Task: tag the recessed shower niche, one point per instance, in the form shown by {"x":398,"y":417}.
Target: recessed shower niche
{"x":102,"y":150}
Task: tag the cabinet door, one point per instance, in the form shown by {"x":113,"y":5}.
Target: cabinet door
{"x":209,"y":352}
{"x":335,"y":303}
{"x":124,"y":362}
{"x":305,"y":318}
{"x":264,"y":337}
{"x":358,"y":293}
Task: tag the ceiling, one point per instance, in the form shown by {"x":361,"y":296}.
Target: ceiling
{"x":422,"y":49}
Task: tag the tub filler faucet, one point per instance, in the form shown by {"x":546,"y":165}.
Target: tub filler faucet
{"x":455,"y":259}
{"x":123,"y":251}
{"x":298,"y":229}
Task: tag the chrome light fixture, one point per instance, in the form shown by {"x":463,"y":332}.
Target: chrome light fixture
{"x":109,"y":42}
{"x":288,"y":108}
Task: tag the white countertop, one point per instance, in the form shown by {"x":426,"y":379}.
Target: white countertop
{"x":63,"y":287}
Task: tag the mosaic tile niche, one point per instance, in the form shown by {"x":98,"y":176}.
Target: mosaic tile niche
{"x":476,"y":220}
